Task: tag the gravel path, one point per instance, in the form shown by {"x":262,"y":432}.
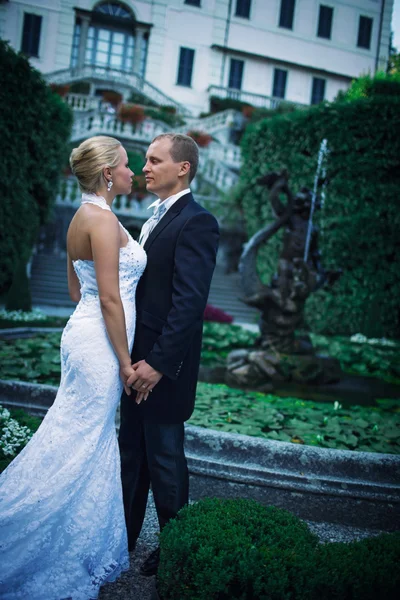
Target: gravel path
{"x":131,"y":586}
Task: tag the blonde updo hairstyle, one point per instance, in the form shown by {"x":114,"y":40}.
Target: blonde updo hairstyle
{"x":89,"y":159}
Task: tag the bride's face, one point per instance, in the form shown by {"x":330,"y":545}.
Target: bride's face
{"x":122,"y":175}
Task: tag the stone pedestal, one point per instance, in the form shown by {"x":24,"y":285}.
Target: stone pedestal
{"x":259,"y":368}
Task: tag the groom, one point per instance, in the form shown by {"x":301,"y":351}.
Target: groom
{"x":180,"y":240}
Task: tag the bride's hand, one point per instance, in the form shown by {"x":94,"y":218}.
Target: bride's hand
{"x":125,"y":373}
{"x":141,"y":396}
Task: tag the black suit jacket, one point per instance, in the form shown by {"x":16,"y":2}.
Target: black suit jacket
{"x":170,"y":300}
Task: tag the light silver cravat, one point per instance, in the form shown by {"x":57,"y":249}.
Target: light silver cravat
{"x":149,"y":225}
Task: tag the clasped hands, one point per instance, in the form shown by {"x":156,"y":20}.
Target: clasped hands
{"x":141,"y":377}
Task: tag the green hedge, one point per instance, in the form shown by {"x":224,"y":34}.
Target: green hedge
{"x":35,"y":126}
{"x":223,"y":549}
{"x":234,"y":549}
{"x":360,"y":221}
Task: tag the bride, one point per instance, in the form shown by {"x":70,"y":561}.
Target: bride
{"x":62,"y":520}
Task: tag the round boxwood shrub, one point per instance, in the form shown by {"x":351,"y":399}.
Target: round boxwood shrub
{"x":361,"y":570}
{"x":223,"y":549}
{"x":227,"y":549}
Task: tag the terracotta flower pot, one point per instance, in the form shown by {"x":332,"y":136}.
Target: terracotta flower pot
{"x":131,"y":113}
{"x":201,"y":138}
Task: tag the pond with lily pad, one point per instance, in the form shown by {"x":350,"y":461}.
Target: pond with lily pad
{"x":290,"y":414}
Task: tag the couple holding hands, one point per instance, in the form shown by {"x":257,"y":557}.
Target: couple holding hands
{"x":72,"y":503}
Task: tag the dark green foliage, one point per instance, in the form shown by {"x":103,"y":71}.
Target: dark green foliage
{"x":265,"y":113}
{"x":360,"y":222}
{"x":35,"y":359}
{"x":35,"y":126}
{"x":220,"y":338}
{"x":48,"y":322}
{"x":163,"y":113}
{"x":363,"y":570}
{"x":291,"y":419}
{"x":138,"y":98}
{"x":220,"y":104}
{"x":234,"y":549}
{"x":223,"y":549}
{"x":382,"y":84}
{"x":24,"y":419}
{"x":327,"y":425}
{"x":19,"y":294}
{"x":136,"y":161}
{"x":379,"y":359}
{"x":79,"y":87}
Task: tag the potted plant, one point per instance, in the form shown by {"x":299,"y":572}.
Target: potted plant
{"x":61,"y":90}
{"x":201,"y":138}
{"x":131,"y":113}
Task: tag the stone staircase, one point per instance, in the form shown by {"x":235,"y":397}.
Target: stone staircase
{"x":225,"y":292}
{"x":49,"y":287}
{"x":219,"y":162}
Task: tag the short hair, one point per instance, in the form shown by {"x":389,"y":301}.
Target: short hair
{"x":183,"y":148}
{"x":89,"y":159}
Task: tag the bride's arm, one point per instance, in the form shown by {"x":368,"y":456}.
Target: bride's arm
{"x":74,"y":287}
{"x":105,"y":243}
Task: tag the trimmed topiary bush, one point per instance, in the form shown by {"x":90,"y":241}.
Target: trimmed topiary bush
{"x":225,"y":549}
{"x":362,"y":570}
{"x":234,"y":549}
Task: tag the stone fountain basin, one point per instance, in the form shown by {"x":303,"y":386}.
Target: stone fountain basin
{"x":358,"y":489}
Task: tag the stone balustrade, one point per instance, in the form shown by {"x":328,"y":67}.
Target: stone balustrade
{"x":215,"y":160}
{"x":211,"y":124}
{"x":114,"y":77}
{"x":227,"y":153}
{"x":82,"y":102}
{"x":70,"y":195}
{"x":258,"y":100}
{"x":216,"y":173}
{"x":108,"y":124}
{"x":124,"y":206}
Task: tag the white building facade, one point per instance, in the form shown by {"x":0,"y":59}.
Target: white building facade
{"x":257,"y":51}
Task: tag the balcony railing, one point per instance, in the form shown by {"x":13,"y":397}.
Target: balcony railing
{"x":257,"y":100}
{"x":82,"y":102}
{"x":70,"y":195}
{"x":211,"y":124}
{"x":124,"y":206}
{"x":105,"y":124}
{"x":117,"y":77}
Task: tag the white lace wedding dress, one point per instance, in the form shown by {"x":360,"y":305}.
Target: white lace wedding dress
{"x":62,"y":528}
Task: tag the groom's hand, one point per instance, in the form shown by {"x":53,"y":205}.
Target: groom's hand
{"x":145,"y":377}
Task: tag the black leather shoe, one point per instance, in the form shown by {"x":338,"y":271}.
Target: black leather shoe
{"x":150,"y":565}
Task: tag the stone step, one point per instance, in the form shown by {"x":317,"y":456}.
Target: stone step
{"x":49,"y":286}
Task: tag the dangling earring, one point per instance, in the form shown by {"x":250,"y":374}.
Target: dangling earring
{"x":109,"y":185}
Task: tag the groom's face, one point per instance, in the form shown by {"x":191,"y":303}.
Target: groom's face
{"x":161,"y":172}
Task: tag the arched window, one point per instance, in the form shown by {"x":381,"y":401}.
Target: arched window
{"x":107,"y":38}
{"x":113,"y":9}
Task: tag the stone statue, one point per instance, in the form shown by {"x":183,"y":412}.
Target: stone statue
{"x":282,"y":302}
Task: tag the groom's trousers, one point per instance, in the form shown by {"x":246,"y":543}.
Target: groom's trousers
{"x":151,"y":454}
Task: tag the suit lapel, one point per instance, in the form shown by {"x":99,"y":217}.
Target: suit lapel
{"x":167,"y":218}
